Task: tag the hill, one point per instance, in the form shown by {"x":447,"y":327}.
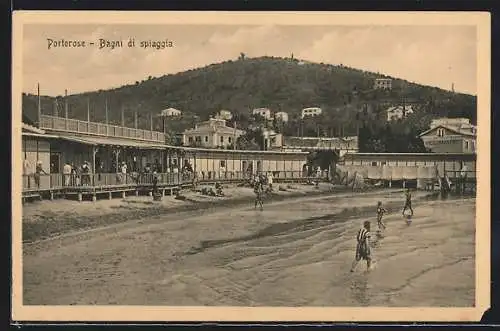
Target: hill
{"x":345,"y":94}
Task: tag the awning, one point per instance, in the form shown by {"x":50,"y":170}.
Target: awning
{"x":38,"y":135}
{"x":31,"y":128}
{"x":113,"y":141}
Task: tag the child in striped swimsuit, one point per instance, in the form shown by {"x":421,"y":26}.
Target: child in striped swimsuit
{"x":363,"y":247}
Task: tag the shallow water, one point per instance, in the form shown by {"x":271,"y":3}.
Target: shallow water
{"x":290,"y":254}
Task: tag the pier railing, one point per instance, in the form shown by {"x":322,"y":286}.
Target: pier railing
{"x":47,"y":182}
{"x":100,"y":129}
{"x":460,"y":174}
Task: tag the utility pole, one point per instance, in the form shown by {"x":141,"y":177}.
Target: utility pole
{"x":88,"y":109}
{"x":234,"y":138}
{"x":106,"y":110}
{"x":66,"y":104}
{"x":39,"y":107}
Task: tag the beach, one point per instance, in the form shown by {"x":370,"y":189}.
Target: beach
{"x":296,"y":252}
{"x":51,"y":218}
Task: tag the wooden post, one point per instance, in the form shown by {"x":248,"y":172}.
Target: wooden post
{"x":123,"y":117}
{"x":117,"y":153}
{"x":135,"y":120}
{"x":194,"y":158}
{"x":88,"y":113}
{"x":106,"y":110}
{"x":107,"y":117}
{"x":39,"y":108}
{"x":234,"y":138}
{"x":151,"y":123}
{"x":66,"y":109}
{"x":94,"y":151}
{"x":54,"y":110}
{"x":162,"y":156}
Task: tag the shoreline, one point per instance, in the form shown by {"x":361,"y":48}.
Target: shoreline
{"x":51,"y":219}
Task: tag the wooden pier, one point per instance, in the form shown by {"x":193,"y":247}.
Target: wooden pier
{"x":120,"y":185}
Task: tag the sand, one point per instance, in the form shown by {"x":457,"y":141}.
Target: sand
{"x":45,"y":219}
{"x":296,"y":252}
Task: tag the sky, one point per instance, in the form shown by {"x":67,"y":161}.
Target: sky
{"x":429,"y":55}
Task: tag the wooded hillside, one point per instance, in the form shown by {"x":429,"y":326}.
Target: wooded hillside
{"x":345,"y":94}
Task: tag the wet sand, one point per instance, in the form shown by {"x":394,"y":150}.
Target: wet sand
{"x":48,"y":219}
{"x":295,"y":252}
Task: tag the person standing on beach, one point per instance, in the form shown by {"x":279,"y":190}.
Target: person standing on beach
{"x":155,"y":183}
{"x":408,"y":202}
{"x":27,"y":171}
{"x":380,"y":213}
{"x":363,"y":246}
{"x":85,"y":174}
{"x":123,"y":169}
{"x":270,"y":181}
{"x":67,"y":173}
{"x":258,"y":190}
{"x":38,"y":171}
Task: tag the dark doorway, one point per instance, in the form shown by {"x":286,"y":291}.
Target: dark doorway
{"x":55,"y":163}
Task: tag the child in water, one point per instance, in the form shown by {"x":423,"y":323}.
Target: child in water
{"x":408,"y":202}
{"x":380,"y":213}
{"x":258,"y":190}
{"x":363,"y":246}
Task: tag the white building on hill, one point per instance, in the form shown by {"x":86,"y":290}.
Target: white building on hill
{"x":272,"y":139}
{"x":264,"y":112}
{"x":211,"y":134}
{"x":383,"y":83}
{"x":450,"y":135}
{"x":312,"y":111}
{"x":224,"y":115}
{"x":398,"y":112}
{"x":282,"y":116}
{"x":171,"y":112}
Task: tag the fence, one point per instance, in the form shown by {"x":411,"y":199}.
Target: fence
{"x":46,"y":182}
{"x":102,"y":129}
{"x":460,"y":174}
{"x":387,"y":172}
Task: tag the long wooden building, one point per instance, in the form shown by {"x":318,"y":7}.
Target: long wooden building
{"x":117,"y":158}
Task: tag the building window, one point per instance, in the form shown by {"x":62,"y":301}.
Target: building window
{"x":374,"y":164}
{"x":198,"y":139}
{"x":190,"y":139}
{"x":222,"y":164}
{"x":440,"y":132}
{"x":466,"y":145}
{"x":222,"y":139}
{"x":206,"y":139}
{"x":229,"y":139}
